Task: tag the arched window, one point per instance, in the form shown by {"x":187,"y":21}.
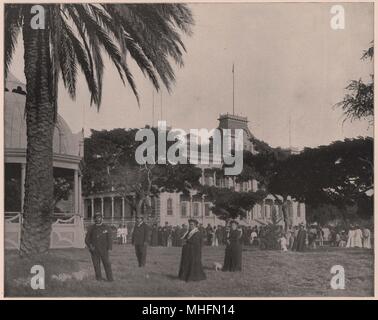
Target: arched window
{"x":207,"y":209}
{"x":196,"y":209}
{"x":298,"y":210}
{"x":169,"y":207}
{"x":184,"y":208}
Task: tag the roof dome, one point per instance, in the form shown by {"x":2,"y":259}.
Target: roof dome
{"x":65,"y":142}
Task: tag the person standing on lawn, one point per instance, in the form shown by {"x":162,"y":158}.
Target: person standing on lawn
{"x":219,"y":233}
{"x":191,"y":256}
{"x":358,"y":236}
{"x":177,"y":233}
{"x":366,"y":242}
{"x":351,"y":237}
{"x":215,"y":237}
{"x":140,"y":238}
{"x":183,"y":231}
{"x":233,"y":252}
{"x":154,"y":235}
{"x":99,"y":241}
{"x":301,"y":239}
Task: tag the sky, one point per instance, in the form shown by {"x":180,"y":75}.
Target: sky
{"x":291,"y":68}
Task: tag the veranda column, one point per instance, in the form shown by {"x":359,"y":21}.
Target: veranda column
{"x":302,"y":210}
{"x":123,"y":208}
{"x":277,"y":211}
{"x":203,"y":207}
{"x":23,"y":171}
{"x":112,"y":208}
{"x":263,"y":210}
{"x":92,"y":208}
{"x":215,"y":179}
{"x":190,"y":205}
{"x":80,"y":198}
{"x":102,"y":206}
{"x":76,"y":191}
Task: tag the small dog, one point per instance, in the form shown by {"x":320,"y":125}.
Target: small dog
{"x":217,"y":266}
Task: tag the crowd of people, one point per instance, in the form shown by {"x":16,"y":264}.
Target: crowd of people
{"x":333,"y":236}
{"x":352,"y":237}
{"x":168,"y":235}
{"x":100,"y":237}
{"x":233,"y":236}
{"x":310,"y":236}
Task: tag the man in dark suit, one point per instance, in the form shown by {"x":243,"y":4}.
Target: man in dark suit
{"x":165,"y":234}
{"x":99,"y":241}
{"x":140,"y":238}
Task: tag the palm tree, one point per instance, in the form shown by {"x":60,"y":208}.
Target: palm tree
{"x":75,"y":36}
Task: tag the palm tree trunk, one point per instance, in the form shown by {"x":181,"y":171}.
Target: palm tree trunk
{"x":40,"y":117}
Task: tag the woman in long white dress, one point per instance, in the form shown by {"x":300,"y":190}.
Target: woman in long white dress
{"x":358,"y":237}
{"x":350,"y":242}
{"x":366,"y":242}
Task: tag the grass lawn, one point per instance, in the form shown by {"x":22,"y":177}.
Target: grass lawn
{"x":265,"y":274}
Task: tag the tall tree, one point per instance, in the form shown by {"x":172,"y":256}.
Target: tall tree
{"x":75,"y":36}
{"x":232,"y":201}
{"x":230,"y":204}
{"x":110,"y":165}
{"x":263,"y":167}
{"x":358,"y":103}
{"x":339,"y":174}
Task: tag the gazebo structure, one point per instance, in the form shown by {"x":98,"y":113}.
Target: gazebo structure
{"x":68,"y":227}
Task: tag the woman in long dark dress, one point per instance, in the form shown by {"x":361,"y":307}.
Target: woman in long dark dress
{"x":160,"y":236}
{"x":154,"y":236}
{"x":191,"y":264}
{"x":301,"y":239}
{"x":233,"y":253}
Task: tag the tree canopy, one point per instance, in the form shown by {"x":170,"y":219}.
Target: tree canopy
{"x":339,"y":174}
{"x":358,"y":103}
{"x":110,"y":165}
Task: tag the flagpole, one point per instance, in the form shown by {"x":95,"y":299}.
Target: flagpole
{"x":153,"y":108}
{"x":290,"y":131}
{"x":233,"y":89}
{"x":161,"y":105}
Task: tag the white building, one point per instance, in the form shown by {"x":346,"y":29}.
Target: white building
{"x":177,"y":208}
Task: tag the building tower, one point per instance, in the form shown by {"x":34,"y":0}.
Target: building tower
{"x":232,"y":121}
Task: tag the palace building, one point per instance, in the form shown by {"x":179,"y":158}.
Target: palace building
{"x":177,"y":208}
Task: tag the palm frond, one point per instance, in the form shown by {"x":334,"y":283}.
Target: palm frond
{"x":95,"y":30}
{"x":12,"y":25}
{"x":84,"y":62}
{"x":157,"y":38}
{"x":150,"y":34}
{"x":126,"y":42}
{"x":68,"y":65}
